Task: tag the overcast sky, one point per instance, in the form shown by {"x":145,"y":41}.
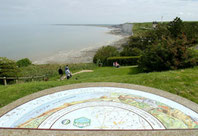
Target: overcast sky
{"x":95,"y":11}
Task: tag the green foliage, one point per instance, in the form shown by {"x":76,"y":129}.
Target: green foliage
{"x":23,"y":62}
{"x":131,"y":52}
{"x":166,"y":47}
{"x":166,"y":55}
{"x":105,"y":52}
{"x":139,"y":28}
{"x":191,"y":31}
{"x":193,"y":54}
{"x":51,"y":70}
{"x":176,"y":27}
{"x":8,"y":68}
{"x":124,"y":61}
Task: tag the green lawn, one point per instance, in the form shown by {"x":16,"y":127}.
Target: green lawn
{"x":180,"y":82}
{"x":138,"y":28}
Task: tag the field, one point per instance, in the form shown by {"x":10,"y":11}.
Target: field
{"x":181,"y":82}
{"x":138,"y":28}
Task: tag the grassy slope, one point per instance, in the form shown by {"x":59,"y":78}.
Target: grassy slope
{"x":180,"y":82}
{"x":51,"y":69}
{"x":138,"y":28}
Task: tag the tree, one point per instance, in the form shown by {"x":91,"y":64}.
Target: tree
{"x":176,"y":27}
{"x":147,"y":38}
{"x":8,"y":68}
{"x":166,"y":47}
{"x":168,"y":54}
{"x":105,"y":52}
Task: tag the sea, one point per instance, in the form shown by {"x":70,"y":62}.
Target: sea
{"x":41,"y":41}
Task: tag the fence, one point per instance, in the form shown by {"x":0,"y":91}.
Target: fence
{"x":22,"y":78}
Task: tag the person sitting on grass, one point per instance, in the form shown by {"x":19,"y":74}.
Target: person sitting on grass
{"x":115,"y":64}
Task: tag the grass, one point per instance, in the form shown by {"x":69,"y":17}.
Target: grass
{"x":138,"y":28}
{"x":52,"y":69}
{"x":181,"y":82}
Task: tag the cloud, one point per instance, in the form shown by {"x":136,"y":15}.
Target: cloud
{"x":95,"y":11}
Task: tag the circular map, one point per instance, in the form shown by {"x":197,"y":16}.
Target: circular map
{"x":101,"y":108}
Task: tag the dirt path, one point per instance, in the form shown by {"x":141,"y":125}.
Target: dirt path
{"x":82,"y":71}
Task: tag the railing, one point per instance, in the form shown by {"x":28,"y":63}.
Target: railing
{"x":32,"y":78}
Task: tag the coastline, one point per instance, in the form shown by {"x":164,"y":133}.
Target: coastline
{"x":86,"y":55}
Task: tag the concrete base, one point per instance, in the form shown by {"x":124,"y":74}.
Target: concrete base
{"x":20,"y":132}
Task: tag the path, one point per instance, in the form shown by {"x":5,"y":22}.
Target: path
{"x":82,"y":71}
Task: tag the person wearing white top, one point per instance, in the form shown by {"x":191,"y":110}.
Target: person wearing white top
{"x":67,"y":72}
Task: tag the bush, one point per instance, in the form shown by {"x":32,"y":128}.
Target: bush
{"x":166,"y":47}
{"x":24,"y":62}
{"x":105,"y":52}
{"x":193,"y":53}
{"x":124,"y":61}
{"x":8,"y":68}
{"x":131,"y":51}
{"x":167,"y":55}
{"x":176,"y":27}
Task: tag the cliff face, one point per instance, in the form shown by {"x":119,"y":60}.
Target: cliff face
{"x":127,"y":28}
{"x":123,"y":29}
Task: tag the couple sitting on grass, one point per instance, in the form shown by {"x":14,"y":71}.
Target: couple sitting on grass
{"x":67,"y":72}
{"x":115,"y":64}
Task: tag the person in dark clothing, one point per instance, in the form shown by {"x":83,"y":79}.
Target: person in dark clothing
{"x":60,"y":72}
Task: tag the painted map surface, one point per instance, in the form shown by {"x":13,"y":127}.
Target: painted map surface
{"x":101,"y":108}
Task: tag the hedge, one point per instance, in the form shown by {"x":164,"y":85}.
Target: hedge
{"x":124,"y":61}
{"x":23,"y":62}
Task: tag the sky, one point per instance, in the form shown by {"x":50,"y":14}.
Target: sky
{"x":95,"y":11}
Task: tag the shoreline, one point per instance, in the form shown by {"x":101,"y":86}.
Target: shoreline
{"x":85,"y":55}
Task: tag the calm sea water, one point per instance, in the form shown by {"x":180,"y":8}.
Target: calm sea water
{"x":37,"y":41}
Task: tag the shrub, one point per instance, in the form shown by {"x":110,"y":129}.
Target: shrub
{"x":167,"y":55}
{"x":8,"y":68}
{"x":124,"y":61}
{"x":176,"y":27}
{"x":24,"y":62}
{"x":131,"y":51}
{"x":105,"y":52}
{"x":193,"y":53}
{"x":166,"y":47}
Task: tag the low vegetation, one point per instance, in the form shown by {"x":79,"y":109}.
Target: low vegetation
{"x":8,"y":68}
{"x":104,"y":53}
{"x":23,"y":62}
{"x":124,"y":61}
{"x":51,"y":70}
{"x":139,"y":28}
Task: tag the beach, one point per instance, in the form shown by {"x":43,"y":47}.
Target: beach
{"x":85,"y":55}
